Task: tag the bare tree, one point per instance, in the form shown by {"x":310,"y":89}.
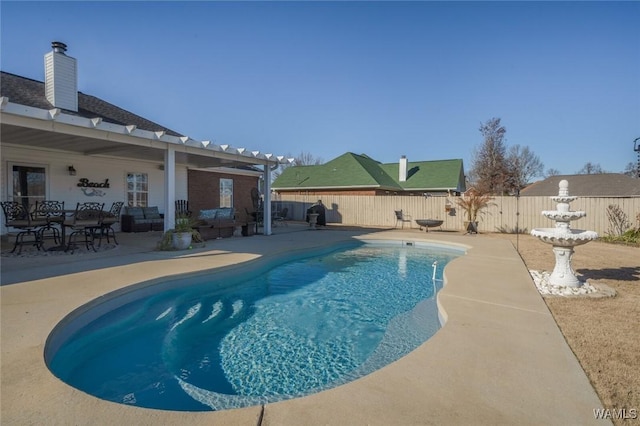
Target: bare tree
{"x":590,"y":169}
{"x":552,"y":172}
{"x":302,"y":159}
{"x":632,"y":170}
{"x":307,"y":159}
{"x":523,"y":165}
{"x":489,"y":171}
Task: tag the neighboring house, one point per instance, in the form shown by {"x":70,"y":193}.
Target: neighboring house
{"x":353,"y":174}
{"x":61,"y":144}
{"x":593,"y":185}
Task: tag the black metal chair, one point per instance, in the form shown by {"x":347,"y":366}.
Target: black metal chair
{"x":17,"y":216}
{"x":402,"y":217}
{"x":256,"y":217}
{"x":52,"y":212}
{"x":86,"y":223}
{"x":109,"y":219}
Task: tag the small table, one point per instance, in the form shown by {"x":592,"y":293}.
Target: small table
{"x":429,"y":223}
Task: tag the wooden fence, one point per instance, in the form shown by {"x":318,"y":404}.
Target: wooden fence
{"x":501,"y":216}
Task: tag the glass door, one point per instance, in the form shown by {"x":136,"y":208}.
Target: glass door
{"x":29,"y":184}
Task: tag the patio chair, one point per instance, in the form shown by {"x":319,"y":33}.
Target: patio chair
{"x":255,"y":217}
{"x":17,"y":216}
{"x":85,"y":223}
{"x":52,"y":213}
{"x":281,"y":217}
{"x":402,"y":217}
{"x":109,"y":219}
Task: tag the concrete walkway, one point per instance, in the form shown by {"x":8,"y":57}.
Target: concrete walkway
{"x":499,"y":359}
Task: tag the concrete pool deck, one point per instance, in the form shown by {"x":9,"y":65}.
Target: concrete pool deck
{"x":499,"y":359}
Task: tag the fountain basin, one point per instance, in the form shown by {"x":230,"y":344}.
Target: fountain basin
{"x":564,"y":237}
{"x":563,"y":216}
{"x":563,"y":198}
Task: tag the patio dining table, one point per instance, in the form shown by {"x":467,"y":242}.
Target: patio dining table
{"x":63,"y":231}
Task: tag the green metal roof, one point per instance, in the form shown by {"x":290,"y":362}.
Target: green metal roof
{"x":360,"y":171}
{"x":424,"y":175}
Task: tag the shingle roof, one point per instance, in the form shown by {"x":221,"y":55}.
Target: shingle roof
{"x":25,"y":91}
{"x":595,"y":185}
{"x":360,"y":171}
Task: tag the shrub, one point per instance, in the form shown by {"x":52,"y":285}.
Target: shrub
{"x":618,"y":221}
{"x":628,"y":236}
{"x":474,"y":203}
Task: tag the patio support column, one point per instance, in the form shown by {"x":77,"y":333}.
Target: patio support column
{"x":267,"y":200}
{"x":169,"y":188}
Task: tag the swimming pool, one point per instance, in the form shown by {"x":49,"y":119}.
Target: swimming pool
{"x":280,"y":330}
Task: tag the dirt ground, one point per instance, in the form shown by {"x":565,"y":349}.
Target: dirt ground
{"x":603,"y":333}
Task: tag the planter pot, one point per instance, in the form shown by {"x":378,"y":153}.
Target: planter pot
{"x":471,"y":227}
{"x":181,"y":240}
{"x":313,"y":220}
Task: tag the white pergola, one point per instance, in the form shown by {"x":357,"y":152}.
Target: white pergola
{"x":54,"y":129}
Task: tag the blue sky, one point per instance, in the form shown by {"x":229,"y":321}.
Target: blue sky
{"x":381,"y":78}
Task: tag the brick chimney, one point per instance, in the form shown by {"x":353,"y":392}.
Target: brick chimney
{"x":402,"y":174}
{"x":61,"y":78}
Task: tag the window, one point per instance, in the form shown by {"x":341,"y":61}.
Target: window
{"x":226,"y":192}
{"x":137,"y":189}
{"x":29,"y":184}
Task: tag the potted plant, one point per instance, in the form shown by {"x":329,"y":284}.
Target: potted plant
{"x":183,"y":220}
{"x":181,"y":236}
{"x":473,"y":203}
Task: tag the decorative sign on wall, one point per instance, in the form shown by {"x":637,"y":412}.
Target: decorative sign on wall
{"x":92,"y":189}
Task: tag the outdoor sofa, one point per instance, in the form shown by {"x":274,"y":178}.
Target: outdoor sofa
{"x":216,"y":223}
{"x":141,"y":219}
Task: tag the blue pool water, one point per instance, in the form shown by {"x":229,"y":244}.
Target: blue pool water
{"x":279,"y":331}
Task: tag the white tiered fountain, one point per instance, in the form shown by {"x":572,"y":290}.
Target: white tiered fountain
{"x":563,"y":238}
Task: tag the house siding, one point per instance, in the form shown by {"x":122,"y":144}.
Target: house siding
{"x":62,"y":187}
{"x":61,"y":87}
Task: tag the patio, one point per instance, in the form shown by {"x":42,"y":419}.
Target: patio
{"x":499,"y":359}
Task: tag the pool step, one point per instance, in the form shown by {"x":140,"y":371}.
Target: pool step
{"x":216,"y":309}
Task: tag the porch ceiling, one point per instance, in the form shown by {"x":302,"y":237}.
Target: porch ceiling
{"x":105,"y":146}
